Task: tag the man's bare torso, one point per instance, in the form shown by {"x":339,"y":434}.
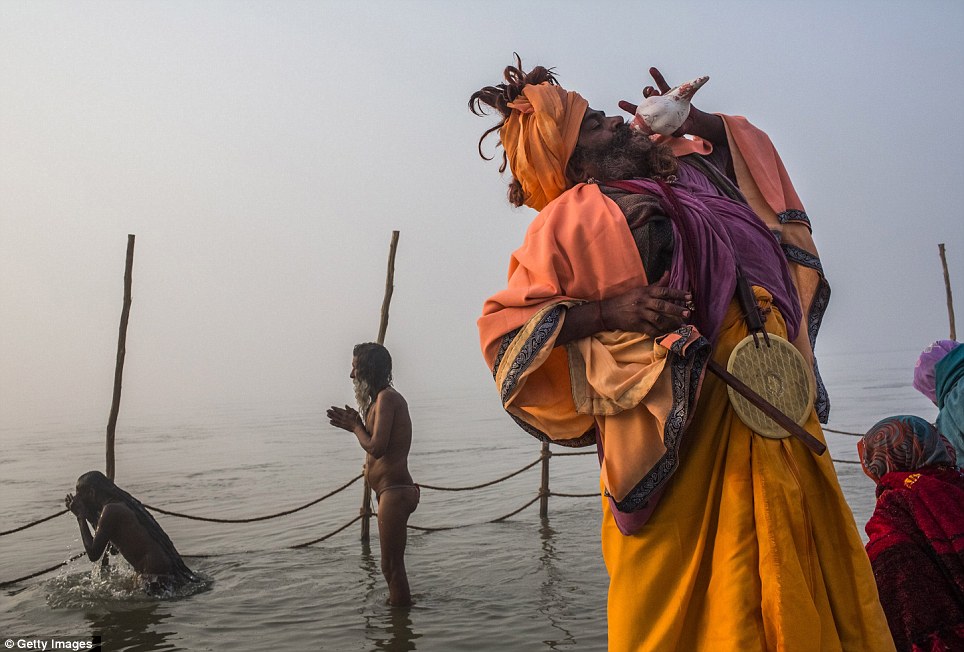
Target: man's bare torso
{"x":391,"y":469}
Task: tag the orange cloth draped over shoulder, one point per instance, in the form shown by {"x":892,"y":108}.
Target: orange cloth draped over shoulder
{"x":539,"y":137}
{"x":579,"y":249}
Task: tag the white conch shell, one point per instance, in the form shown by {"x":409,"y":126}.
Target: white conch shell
{"x":664,"y":114}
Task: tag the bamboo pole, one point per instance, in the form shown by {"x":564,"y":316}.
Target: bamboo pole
{"x":947,"y":288}
{"x":366,"y":508}
{"x":544,"y":487}
{"x":121,"y":352}
{"x":389,"y":288}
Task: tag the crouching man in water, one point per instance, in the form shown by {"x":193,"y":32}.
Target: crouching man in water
{"x":386,"y":435}
{"x":120,"y":519}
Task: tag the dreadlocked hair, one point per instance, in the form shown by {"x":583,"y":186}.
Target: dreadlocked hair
{"x":498,"y":97}
{"x":109,"y":492}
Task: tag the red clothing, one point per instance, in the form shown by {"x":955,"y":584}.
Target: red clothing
{"x":916,"y":548}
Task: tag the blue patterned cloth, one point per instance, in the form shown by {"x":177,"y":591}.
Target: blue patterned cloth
{"x":949,"y":375}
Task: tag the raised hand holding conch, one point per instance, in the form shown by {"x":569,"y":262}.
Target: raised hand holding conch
{"x":665,"y":111}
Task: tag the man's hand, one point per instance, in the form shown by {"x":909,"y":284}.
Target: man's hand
{"x":700,"y":124}
{"x":649,"y":91}
{"x":75,"y":506}
{"x":345,"y":418}
{"x":652,"y":310}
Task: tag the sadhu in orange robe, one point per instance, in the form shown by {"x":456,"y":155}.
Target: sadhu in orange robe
{"x":714,"y":538}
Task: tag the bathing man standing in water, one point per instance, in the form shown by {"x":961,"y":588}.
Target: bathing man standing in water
{"x":386,"y":435}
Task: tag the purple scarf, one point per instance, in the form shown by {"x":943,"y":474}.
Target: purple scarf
{"x":925,"y":370}
{"x":713,"y":233}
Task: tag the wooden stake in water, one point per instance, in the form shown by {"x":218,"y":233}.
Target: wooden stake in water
{"x":389,"y":288}
{"x":366,"y":508}
{"x":947,"y":287}
{"x":121,"y":352}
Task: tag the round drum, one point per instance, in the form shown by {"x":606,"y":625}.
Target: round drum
{"x":779,"y":374}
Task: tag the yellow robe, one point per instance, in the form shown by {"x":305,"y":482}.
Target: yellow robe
{"x":752,"y":546}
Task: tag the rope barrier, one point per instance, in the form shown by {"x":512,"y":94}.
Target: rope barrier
{"x":41,"y":572}
{"x":564,"y":454}
{"x":204,"y":518}
{"x":327,"y":536}
{"x":28,"y":525}
{"x":557,"y":493}
{"x":485,"y":484}
{"x":844,"y":432}
{"x":256,"y":518}
{"x":502,"y":518}
{"x":458,"y":527}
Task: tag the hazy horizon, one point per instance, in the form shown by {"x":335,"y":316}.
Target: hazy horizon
{"x":262,"y":153}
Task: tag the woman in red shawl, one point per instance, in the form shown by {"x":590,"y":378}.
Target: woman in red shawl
{"x":916,"y":534}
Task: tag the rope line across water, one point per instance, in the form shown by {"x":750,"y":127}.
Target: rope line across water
{"x":843,"y":432}
{"x":29,"y":525}
{"x":41,"y":572}
{"x":327,"y":536}
{"x":485,"y":484}
{"x":255,"y":518}
{"x":457,"y":527}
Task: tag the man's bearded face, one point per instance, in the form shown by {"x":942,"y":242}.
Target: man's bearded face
{"x":363,"y":396}
{"x":623,"y":157}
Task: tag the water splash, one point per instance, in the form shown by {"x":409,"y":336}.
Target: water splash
{"x":118,"y":583}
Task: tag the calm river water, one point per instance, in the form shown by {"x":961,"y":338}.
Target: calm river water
{"x":522,"y":584}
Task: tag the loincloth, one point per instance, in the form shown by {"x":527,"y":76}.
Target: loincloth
{"x":378,"y":494}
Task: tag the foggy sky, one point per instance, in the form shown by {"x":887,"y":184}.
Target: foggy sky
{"x":262,"y":153}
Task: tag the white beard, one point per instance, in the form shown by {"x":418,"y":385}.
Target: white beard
{"x":363,"y":397}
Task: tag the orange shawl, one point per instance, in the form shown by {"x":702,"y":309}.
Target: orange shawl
{"x":580,"y":249}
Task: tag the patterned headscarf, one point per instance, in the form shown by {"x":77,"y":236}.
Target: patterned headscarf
{"x":924,"y":374}
{"x":539,"y":137}
{"x":902,"y":443}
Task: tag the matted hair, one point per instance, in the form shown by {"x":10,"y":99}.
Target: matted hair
{"x":373,"y":364}
{"x":108,"y":492}
{"x":498,"y":97}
